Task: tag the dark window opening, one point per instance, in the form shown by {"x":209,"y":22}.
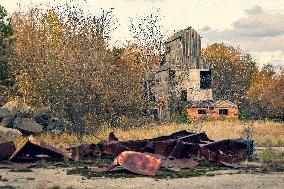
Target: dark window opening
{"x":205,"y":79}
{"x":163,"y":61}
{"x":201,"y":111}
{"x":183,"y":95}
{"x":152,"y":97}
{"x":223,"y":112}
{"x":172,"y":74}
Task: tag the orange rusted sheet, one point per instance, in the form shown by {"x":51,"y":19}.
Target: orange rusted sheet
{"x":139,"y":163}
{"x":136,"y":162}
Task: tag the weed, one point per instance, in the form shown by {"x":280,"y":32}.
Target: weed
{"x":269,"y":156}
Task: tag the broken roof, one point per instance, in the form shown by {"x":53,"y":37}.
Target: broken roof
{"x":178,"y":34}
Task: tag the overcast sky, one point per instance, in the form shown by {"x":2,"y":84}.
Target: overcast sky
{"x":257,"y":26}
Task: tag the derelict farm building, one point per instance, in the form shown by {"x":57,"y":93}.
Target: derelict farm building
{"x":181,"y":78}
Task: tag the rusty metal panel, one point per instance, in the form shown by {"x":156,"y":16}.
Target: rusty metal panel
{"x":6,"y":150}
{"x":30,"y":148}
{"x":139,"y":163}
{"x":136,"y":162}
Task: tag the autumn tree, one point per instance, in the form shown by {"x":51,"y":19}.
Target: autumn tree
{"x":232,"y":72}
{"x":64,"y":62}
{"x":67,"y":65}
{"x":266,"y":93}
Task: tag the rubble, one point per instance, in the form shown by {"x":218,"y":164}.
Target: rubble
{"x":180,"y":150}
{"x":32,"y":149}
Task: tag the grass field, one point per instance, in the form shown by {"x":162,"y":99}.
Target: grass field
{"x":264,"y":133}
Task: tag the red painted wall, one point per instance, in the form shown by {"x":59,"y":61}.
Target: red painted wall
{"x":212,"y":113}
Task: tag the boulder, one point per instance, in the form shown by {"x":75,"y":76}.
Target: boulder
{"x":8,"y":134}
{"x":27,"y":126}
{"x":16,"y":105}
{"x":42,"y":116}
{"x":5,"y":113}
{"x":7,"y":122}
{"x":14,"y":108}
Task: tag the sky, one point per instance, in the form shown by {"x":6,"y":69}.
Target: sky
{"x":256,"y":26}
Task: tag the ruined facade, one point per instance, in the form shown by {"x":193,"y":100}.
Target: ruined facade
{"x":183,"y":50}
{"x":181,"y":78}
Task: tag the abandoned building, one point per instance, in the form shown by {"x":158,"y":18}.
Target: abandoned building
{"x":181,"y":82}
{"x":211,"y":109}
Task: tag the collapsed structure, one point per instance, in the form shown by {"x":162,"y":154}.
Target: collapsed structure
{"x":182,"y":80}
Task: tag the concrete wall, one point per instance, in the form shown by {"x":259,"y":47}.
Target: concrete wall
{"x":183,"y":50}
{"x":188,"y":81}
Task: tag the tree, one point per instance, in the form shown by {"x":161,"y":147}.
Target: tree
{"x":232,"y":71}
{"x":6,"y":76}
{"x":64,"y":63}
{"x":148,"y":35}
{"x":266,"y":93}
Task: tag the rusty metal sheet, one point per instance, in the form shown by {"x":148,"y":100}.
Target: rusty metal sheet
{"x":178,"y":144}
{"x":6,"y":150}
{"x":85,"y":152}
{"x":136,"y":162}
{"x":30,"y":148}
{"x":224,"y":151}
{"x":114,"y":148}
{"x":139,"y":163}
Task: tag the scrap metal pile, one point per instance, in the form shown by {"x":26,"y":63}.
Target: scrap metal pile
{"x":139,"y":156}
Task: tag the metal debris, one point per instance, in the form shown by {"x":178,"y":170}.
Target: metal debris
{"x":31,"y":149}
{"x":176,"y":151}
{"x":6,"y":150}
{"x":181,"y":145}
{"x":136,"y":162}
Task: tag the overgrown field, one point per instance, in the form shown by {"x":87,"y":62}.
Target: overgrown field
{"x":264,"y":133}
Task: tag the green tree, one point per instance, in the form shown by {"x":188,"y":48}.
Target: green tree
{"x":6,"y":76}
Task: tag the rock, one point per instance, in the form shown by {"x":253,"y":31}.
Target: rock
{"x":8,"y":134}
{"x":16,"y":105}
{"x":14,"y":108}
{"x":5,"y":113}
{"x":7,"y":122}
{"x":27,"y":126}
{"x":42,"y":116}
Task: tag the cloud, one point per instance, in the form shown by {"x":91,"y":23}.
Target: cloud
{"x":260,"y":31}
{"x":254,"y":10}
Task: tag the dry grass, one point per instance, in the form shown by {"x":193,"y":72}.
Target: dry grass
{"x":264,"y":133}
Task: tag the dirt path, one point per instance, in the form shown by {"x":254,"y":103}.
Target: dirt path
{"x":48,"y":178}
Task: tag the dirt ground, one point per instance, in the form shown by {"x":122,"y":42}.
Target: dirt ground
{"x":57,"y":178}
